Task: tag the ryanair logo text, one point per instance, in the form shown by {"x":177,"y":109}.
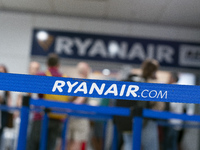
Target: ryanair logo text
{"x":113,"y":89}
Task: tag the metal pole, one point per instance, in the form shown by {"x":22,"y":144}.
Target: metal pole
{"x":24,"y":116}
{"x":115,"y":138}
{"x":44,"y":132}
{"x":64,"y":133}
{"x":137,"y":131}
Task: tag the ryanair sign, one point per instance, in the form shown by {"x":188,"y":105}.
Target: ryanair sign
{"x":100,"y":88}
{"x":112,"y":48}
{"x":112,"y":89}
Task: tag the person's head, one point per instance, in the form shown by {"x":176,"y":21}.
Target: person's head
{"x":83,"y":69}
{"x":53,"y":60}
{"x":149,"y":68}
{"x":3,"y":69}
{"x":34,"y":68}
{"x":173,"y":78}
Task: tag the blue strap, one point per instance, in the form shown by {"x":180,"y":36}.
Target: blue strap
{"x":177,"y":125}
{"x":8,"y":108}
{"x":87,"y":115}
{"x":100,"y":88}
{"x":95,"y":109}
{"x":168,"y":115}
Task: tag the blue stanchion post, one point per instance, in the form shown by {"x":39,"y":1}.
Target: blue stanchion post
{"x":64,"y":133}
{"x":137,"y":131}
{"x":44,"y":131}
{"x":24,"y":115}
{"x":115,"y":138}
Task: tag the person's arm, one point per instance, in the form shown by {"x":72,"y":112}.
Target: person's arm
{"x":157,"y":105}
{"x":9,"y":99}
{"x":1,"y":96}
{"x":19,"y":100}
{"x":18,"y":104}
{"x":79,"y":100}
{"x":72,"y":98}
{"x":1,"y":99}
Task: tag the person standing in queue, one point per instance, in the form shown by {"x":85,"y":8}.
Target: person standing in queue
{"x":124,"y":124}
{"x":172,"y":133}
{"x":79,"y":128}
{"x":5,"y":99}
{"x":55,"y":123}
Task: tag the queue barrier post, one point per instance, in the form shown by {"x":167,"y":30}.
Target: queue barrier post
{"x":137,"y":130}
{"x":44,"y":130}
{"x":24,"y":115}
{"x":99,"y":113}
{"x":115,"y":138}
{"x":153,"y":114}
{"x":64,"y":133}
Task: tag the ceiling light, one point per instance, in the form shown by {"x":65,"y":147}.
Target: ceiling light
{"x":106,"y":72}
{"x":42,"y":35}
{"x":113,"y":48}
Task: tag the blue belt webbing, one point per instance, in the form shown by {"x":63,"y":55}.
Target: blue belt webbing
{"x":100,"y":88}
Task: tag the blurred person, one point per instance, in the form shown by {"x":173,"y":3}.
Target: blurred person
{"x":55,"y":122}
{"x":150,"y":139}
{"x":79,"y":128}
{"x":33,"y":69}
{"x":5,"y":99}
{"x":124,"y":124}
{"x":98,"y":127}
{"x":171,"y":134}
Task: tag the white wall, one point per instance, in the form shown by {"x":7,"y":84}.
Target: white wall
{"x":16,"y":32}
{"x":15,"y":40}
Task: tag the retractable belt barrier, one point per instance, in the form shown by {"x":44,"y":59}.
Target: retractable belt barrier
{"x":71,"y":110}
{"x":7,"y":108}
{"x":120,"y":111}
{"x":100,"y":88}
{"x":137,"y":125}
{"x":147,"y":113}
{"x":177,"y":125}
{"x":102,"y":113}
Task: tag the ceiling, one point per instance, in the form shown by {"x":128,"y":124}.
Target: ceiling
{"x":184,"y":13}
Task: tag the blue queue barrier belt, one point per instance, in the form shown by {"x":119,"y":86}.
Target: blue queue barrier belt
{"x":100,"y":88}
{"x":87,"y":108}
{"x":168,"y":115}
{"x":181,"y":125}
{"x":147,"y":113}
{"x":92,"y":115}
{"x":7,"y":108}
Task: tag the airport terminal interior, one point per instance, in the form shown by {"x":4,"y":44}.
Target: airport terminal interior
{"x":117,"y":42}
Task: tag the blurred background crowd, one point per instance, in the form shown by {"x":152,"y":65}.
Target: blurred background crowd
{"x":88,"y":134}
